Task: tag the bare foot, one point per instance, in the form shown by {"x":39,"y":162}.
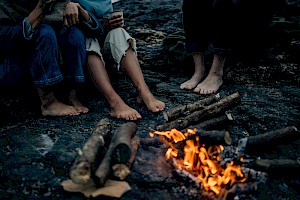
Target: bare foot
{"x":192,"y":83}
{"x":122,"y":111}
{"x":153,"y":104}
{"x":78,"y":106}
{"x":210,"y":85}
{"x":57,"y":108}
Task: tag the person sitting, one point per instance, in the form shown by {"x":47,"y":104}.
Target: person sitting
{"x":21,"y":25}
{"x":119,"y":45}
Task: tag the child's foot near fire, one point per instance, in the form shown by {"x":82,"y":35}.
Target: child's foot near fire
{"x":153,"y":104}
{"x":121,"y":110}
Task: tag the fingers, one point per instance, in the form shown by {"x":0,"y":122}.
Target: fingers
{"x":116,"y":21}
{"x":71,"y":14}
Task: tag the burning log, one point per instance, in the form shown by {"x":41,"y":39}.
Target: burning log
{"x":278,"y":165}
{"x":208,"y":111}
{"x":272,"y":138}
{"x":213,"y":137}
{"x":80,"y":171}
{"x":118,"y":152}
{"x":121,"y":171}
{"x":178,"y":111}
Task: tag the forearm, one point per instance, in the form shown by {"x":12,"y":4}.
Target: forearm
{"x":36,"y":16}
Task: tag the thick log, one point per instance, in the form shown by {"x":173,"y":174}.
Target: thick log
{"x":283,"y":166}
{"x":122,"y":170}
{"x":213,"y":137}
{"x":179,"y":111}
{"x":80,"y":172}
{"x":118,"y":152}
{"x":208,"y":138}
{"x":207,"y":112}
{"x":272,"y":138}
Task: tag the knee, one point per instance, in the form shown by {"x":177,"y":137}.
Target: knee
{"x":46,"y":35}
{"x":76,"y":38}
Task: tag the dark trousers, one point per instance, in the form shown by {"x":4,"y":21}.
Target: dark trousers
{"x":209,"y":25}
{"x":39,"y":57}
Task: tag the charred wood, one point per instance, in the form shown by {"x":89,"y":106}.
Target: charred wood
{"x":122,"y":170}
{"x":118,"y":152}
{"x":271,"y":138}
{"x":214,"y":123}
{"x":281,"y":166}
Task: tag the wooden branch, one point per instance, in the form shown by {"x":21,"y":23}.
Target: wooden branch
{"x":284,"y":166}
{"x":80,"y":171}
{"x":208,"y":111}
{"x":121,"y":171}
{"x":214,"y":123}
{"x":272,"y":138}
{"x":178,"y":111}
{"x":118,"y":151}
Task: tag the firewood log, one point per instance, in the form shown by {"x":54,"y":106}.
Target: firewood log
{"x":80,"y":171}
{"x":283,"y":166}
{"x":271,"y":138}
{"x":122,"y":170}
{"x":214,"y":123}
{"x":178,"y":111}
{"x":118,"y":152}
{"x":207,"y":112}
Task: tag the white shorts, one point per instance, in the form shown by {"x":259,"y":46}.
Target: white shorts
{"x":116,"y":43}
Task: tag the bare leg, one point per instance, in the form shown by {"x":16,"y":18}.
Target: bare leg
{"x":131,"y":65}
{"x":52,"y":107}
{"x":214,"y":80}
{"x":76,"y":103}
{"x":198,"y":74}
{"x":101,"y":79}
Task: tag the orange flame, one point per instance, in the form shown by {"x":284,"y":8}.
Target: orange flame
{"x":201,"y":162}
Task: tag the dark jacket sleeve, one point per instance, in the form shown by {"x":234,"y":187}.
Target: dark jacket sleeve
{"x":92,"y":28}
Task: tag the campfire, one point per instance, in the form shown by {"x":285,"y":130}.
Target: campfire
{"x":193,"y":146}
{"x":201,"y":160}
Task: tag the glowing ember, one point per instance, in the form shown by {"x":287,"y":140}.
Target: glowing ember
{"x":202,"y":162}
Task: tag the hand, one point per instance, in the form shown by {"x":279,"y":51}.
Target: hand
{"x":45,"y":5}
{"x":73,"y":13}
{"x":116,"y":21}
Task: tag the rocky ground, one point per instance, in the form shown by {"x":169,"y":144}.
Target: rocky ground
{"x":37,"y":152}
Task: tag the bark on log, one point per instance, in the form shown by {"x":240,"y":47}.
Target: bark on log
{"x":214,"y":123}
{"x":208,"y":111}
{"x":121,"y":171}
{"x":80,"y":172}
{"x":179,"y":111}
{"x":118,"y":151}
{"x":272,"y":138}
{"x":284,"y":166}
{"x":208,"y":138}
